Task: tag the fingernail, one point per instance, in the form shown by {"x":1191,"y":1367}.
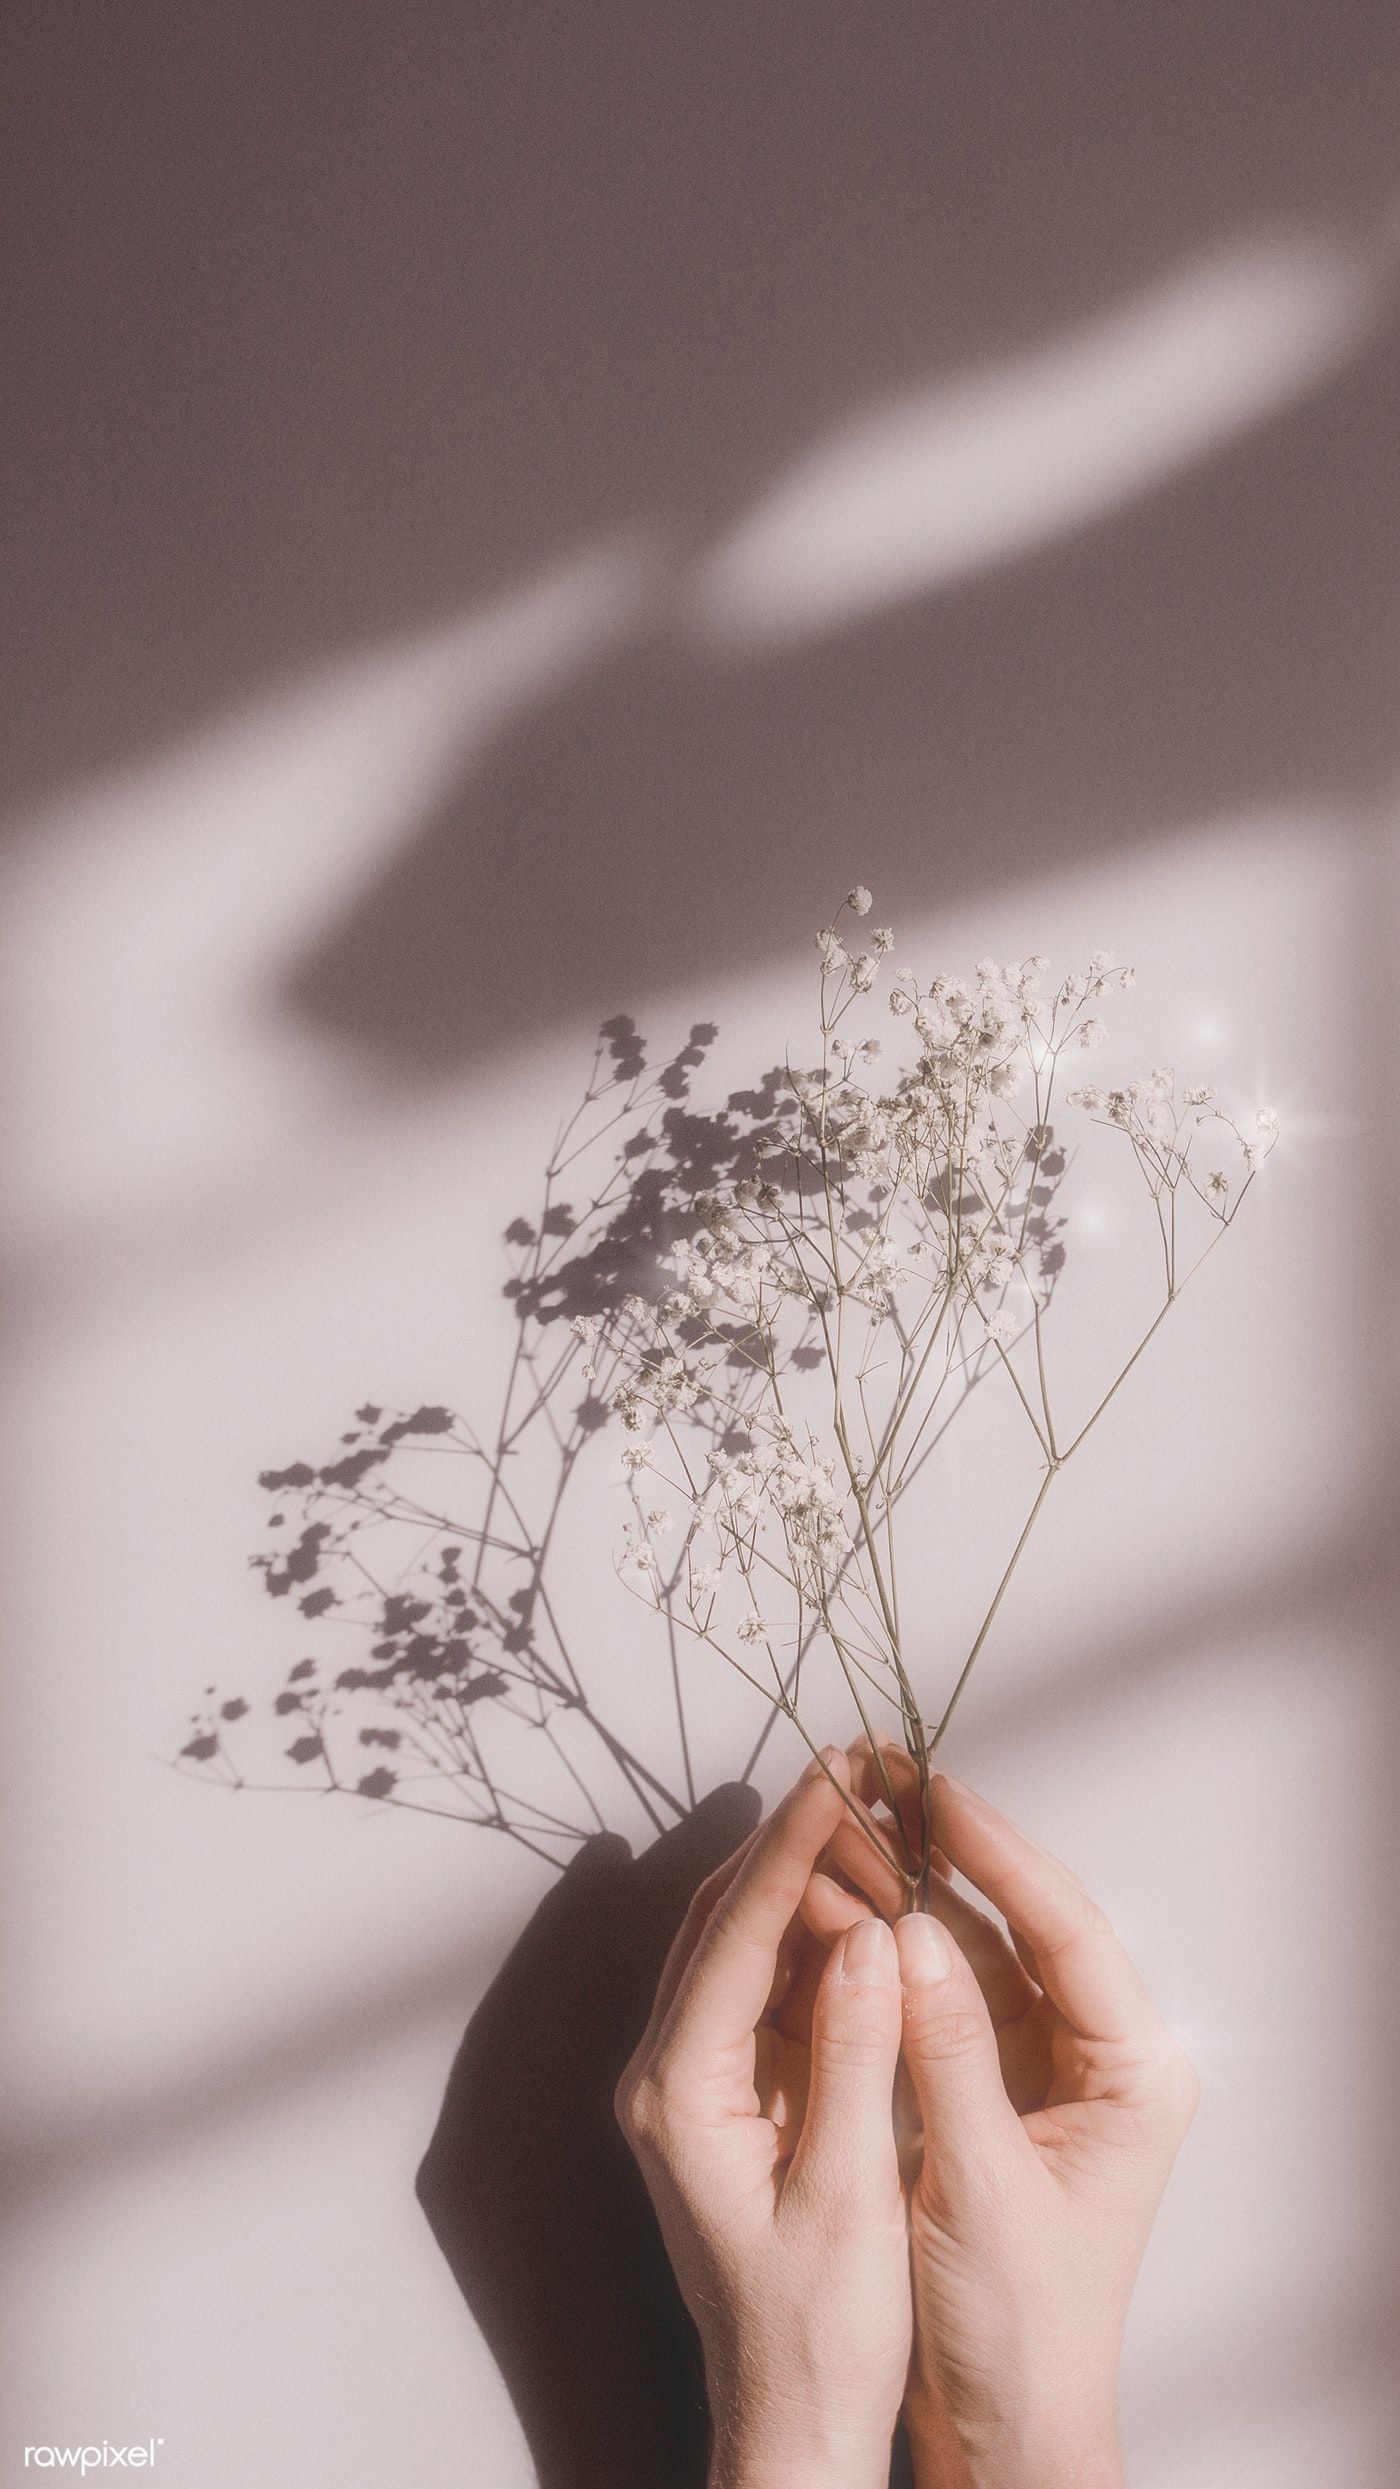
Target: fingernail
{"x":925,"y":1952}
{"x":870,"y":1958}
{"x":827,"y":1756}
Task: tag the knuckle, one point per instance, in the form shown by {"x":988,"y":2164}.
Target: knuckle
{"x":642,"y":2111}
{"x":849,"y":2048}
{"x":944,"y":2031}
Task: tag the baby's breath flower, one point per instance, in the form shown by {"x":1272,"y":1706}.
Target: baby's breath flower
{"x":877,"y":1211}
{"x":859,"y":900}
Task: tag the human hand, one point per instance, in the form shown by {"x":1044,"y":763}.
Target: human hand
{"x":758,"y":2103}
{"x":1053,"y":2101}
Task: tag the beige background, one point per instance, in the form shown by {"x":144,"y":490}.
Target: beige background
{"x":516,"y":524}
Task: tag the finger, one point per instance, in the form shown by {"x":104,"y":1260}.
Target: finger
{"x":828,"y":1909}
{"x":780,"y":2080}
{"x":688,"y":1936}
{"x":854,"y":1855}
{"x":1079,"y":1960}
{"x":729,"y":1977}
{"x":847,"y":2140}
{"x":1003,"y":1977}
{"x":868,"y":1784}
{"x":889,"y":1781}
{"x":793,"y":2016}
{"x":950,"y":2049}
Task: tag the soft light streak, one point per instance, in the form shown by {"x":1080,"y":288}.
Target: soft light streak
{"x":979,"y":470}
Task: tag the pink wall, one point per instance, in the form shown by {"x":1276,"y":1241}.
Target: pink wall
{"x":514,"y":513}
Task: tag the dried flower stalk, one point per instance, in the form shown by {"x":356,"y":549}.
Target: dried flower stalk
{"x":893,"y":1244}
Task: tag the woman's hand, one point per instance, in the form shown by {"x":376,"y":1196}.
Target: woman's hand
{"x":1053,"y":2102}
{"x":758,"y":2103}
{"x":1044,"y":2102}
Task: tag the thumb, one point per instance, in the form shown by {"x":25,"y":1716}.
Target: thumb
{"x":950,"y":2049}
{"x":848,"y":2131}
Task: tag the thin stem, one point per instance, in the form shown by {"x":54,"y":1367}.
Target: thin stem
{"x":986,"y":1625}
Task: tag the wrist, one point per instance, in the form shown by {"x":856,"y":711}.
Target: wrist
{"x":1044,"y":2450}
{"x":773,"y":2457}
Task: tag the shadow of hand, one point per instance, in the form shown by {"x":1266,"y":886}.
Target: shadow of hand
{"x":532,"y":2193}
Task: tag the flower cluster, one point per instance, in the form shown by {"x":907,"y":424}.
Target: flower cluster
{"x":895,"y":1240}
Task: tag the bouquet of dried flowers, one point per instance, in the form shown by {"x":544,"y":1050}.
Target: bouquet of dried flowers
{"x":893,"y":1242}
{"x":785,"y":1302}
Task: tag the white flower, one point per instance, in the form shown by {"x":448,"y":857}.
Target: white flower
{"x":1092,"y":1032}
{"x":872,"y":1049}
{"x":1002,"y":1327}
{"x":883,"y":938}
{"x":1266,"y":1120}
{"x":1200,"y":1096}
{"x":1217,"y":1185}
{"x":832,"y":952}
{"x":863,"y":973}
{"x":584,"y":1327}
{"x":704,"y":1578}
{"x":660,"y":1522}
{"x":754,"y":1628}
{"x":588,"y":1373}
{"x":635,"y":1458}
{"x":859,"y":900}
{"x":900,"y":1002}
